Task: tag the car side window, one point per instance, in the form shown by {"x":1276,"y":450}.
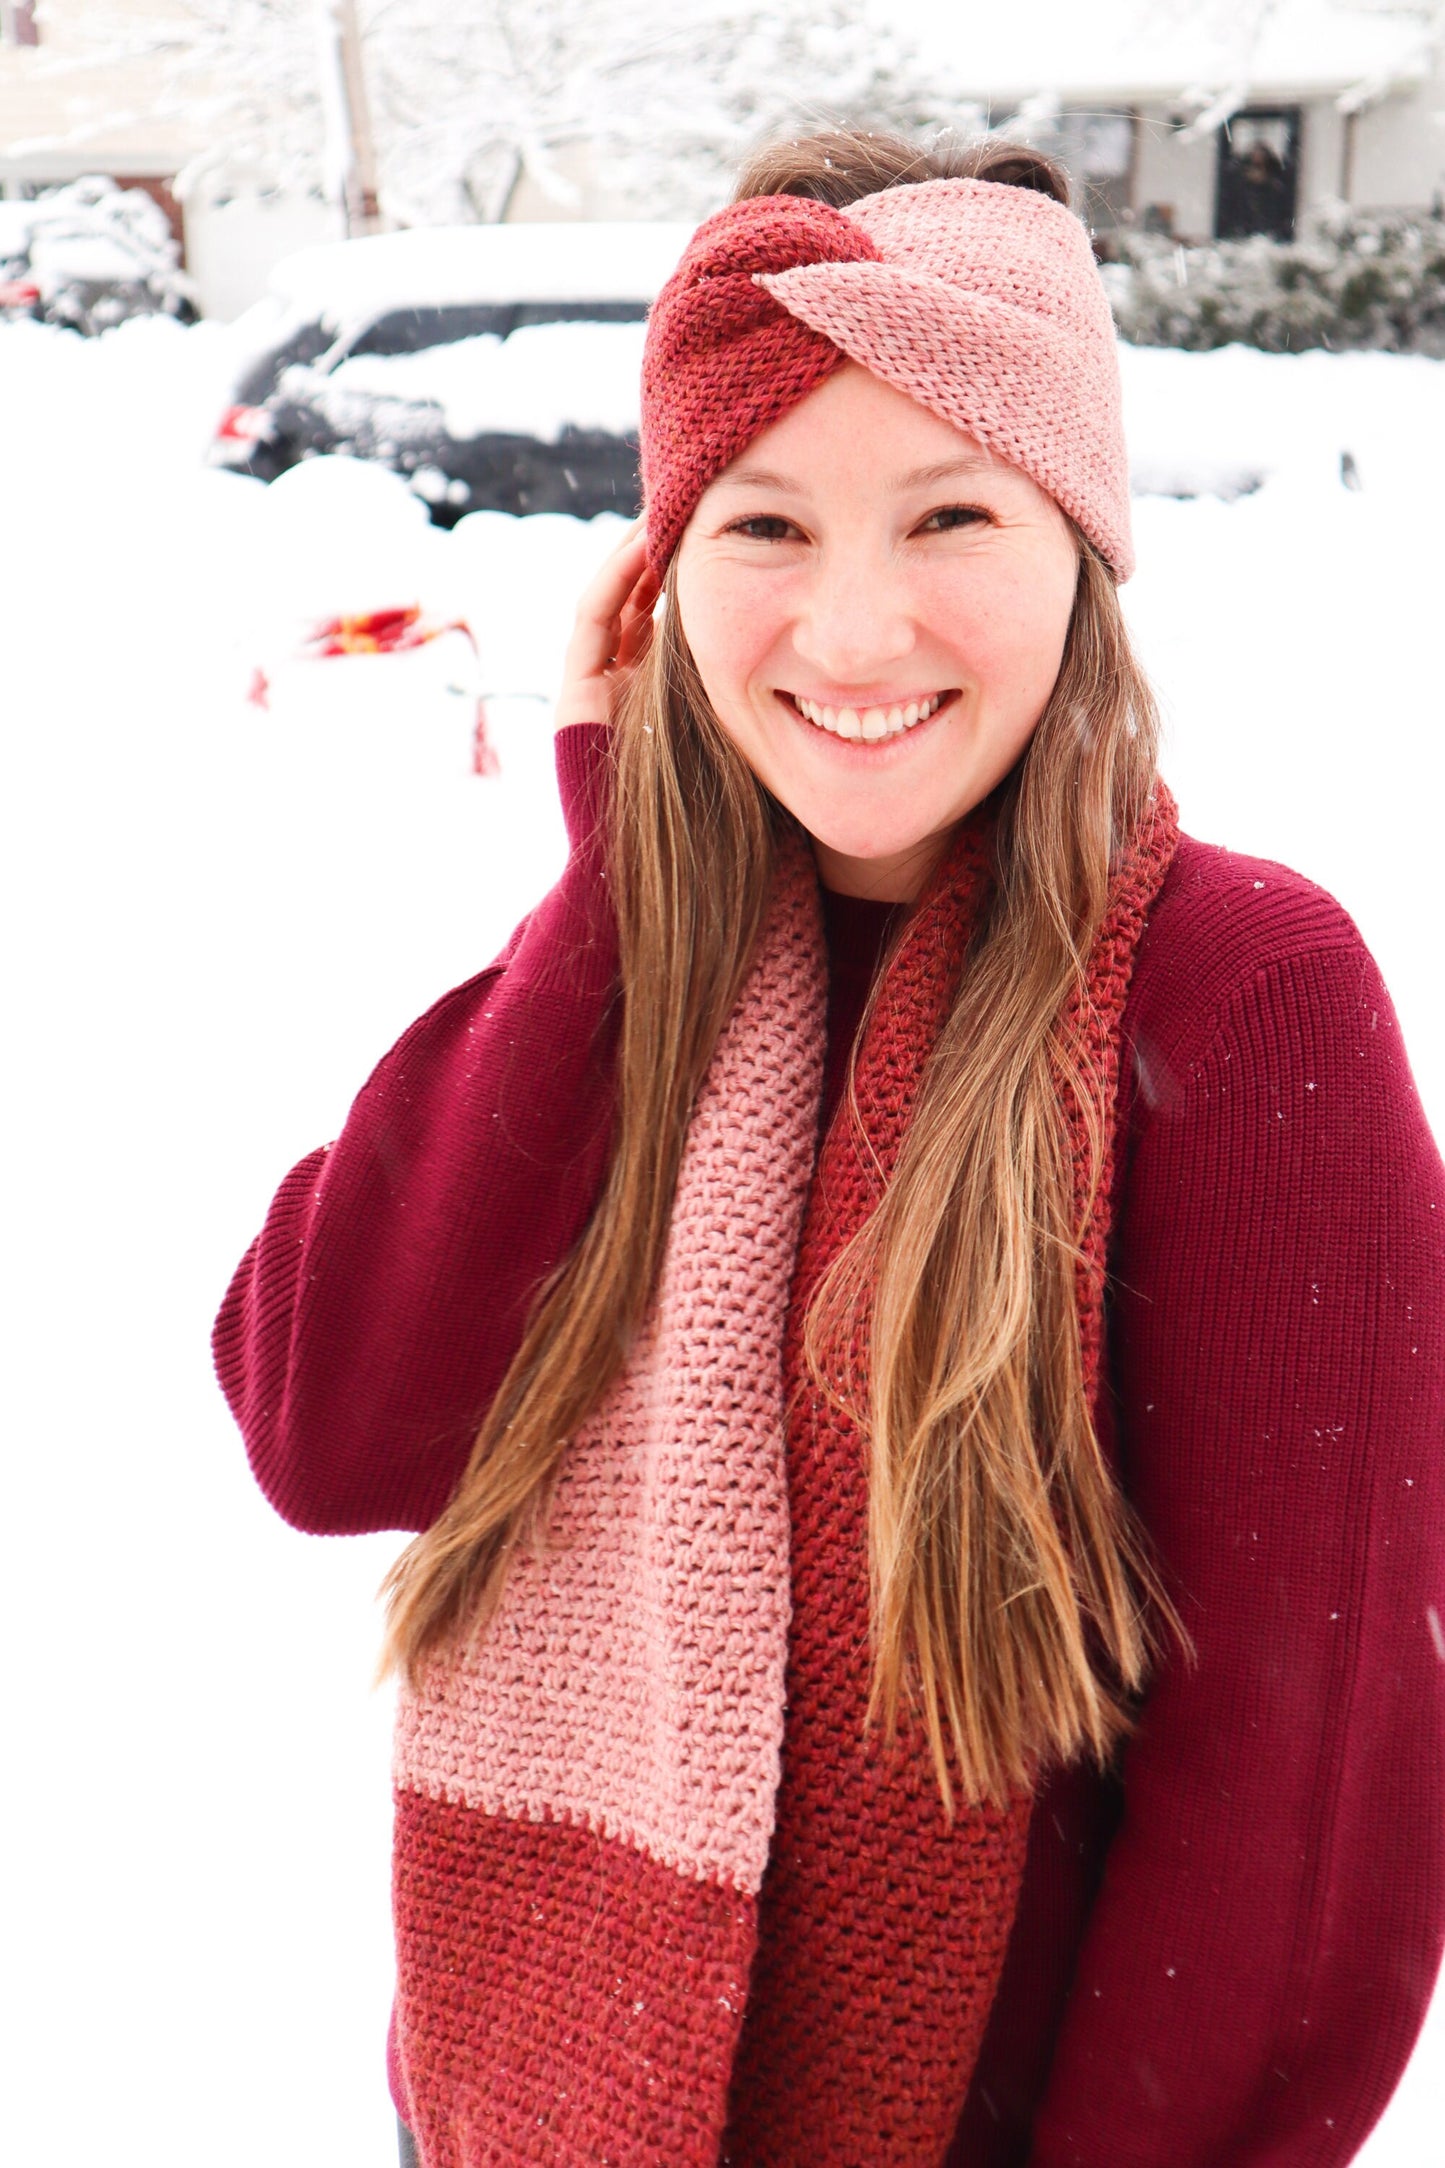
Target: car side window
{"x":308,"y":343}
{"x":578,"y":312}
{"x":412,"y":331}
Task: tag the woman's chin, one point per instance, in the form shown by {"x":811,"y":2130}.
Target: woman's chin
{"x":874,"y":831}
{"x":865,"y":850}
{"x":890,"y":867}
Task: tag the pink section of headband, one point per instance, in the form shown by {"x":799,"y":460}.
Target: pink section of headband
{"x":986,"y":307}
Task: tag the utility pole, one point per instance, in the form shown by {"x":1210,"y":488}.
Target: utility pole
{"x":352,"y":159}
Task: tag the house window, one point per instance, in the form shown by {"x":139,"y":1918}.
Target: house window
{"x":1256,"y":186}
{"x":1098,"y":149}
{"x":17,"y":23}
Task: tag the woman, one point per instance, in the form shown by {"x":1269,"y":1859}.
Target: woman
{"x":905,"y":1308}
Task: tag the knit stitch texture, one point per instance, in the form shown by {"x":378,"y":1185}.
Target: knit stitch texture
{"x":1224,"y":1956}
{"x":978,"y":299}
{"x":634,"y":1683}
{"x":723,"y":359}
{"x":844,"y":2057}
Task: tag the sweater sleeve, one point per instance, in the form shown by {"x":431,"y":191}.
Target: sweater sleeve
{"x":371,"y":1321}
{"x":1262,"y":1951}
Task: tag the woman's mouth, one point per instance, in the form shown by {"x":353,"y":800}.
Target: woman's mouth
{"x":868,"y":726}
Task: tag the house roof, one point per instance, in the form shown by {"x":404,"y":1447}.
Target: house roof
{"x":1155,"y":51}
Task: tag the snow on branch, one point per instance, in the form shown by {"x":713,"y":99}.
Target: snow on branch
{"x":652,"y":104}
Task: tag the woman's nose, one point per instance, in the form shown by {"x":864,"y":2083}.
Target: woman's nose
{"x":854,"y":622}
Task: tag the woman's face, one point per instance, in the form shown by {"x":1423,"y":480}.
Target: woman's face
{"x":878,"y":609}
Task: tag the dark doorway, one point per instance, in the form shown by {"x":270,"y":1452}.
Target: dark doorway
{"x":1256,"y":189}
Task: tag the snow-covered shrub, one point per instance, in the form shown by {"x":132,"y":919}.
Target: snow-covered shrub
{"x":1352,"y":281}
{"x":96,"y":253}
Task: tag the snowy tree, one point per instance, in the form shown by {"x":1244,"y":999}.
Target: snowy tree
{"x":242,"y":74}
{"x":659,"y":103}
{"x":653,"y":103}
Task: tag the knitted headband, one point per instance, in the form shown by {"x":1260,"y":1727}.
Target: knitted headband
{"x":978,"y":299}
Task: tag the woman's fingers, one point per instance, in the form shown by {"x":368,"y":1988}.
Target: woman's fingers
{"x":599,"y":611}
{"x":636,"y":622}
{"x":611,"y":632}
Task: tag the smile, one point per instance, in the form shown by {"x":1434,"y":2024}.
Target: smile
{"x":868,"y":724}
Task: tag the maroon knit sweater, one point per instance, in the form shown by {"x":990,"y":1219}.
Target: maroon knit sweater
{"x":1223,"y":1957}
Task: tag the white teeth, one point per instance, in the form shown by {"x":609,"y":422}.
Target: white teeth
{"x":871,"y":724}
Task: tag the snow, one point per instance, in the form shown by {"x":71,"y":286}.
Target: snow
{"x":16,"y":222}
{"x":530,"y":384}
{"x":1123,"y":48}
{"x":1223,"y":422}
{"x":565,"y":261}
{"x":220,"y":915}
{"x":91,"y":231}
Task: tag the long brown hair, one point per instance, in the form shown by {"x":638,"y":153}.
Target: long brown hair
{"x":1013,"y":1601}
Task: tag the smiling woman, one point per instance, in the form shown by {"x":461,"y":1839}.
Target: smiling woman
{"x":906,"y":1310}
{"x":851,"y":617}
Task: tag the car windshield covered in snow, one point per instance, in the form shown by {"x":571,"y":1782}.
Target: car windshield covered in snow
{"x":493,"y":368}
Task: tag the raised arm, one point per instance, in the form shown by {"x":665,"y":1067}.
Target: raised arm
{"x":372,"y":1319}
{"x":370,"y":1323}
{"x":1262,"y":1952}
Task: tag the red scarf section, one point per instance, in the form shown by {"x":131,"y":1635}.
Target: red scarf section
{"x":882,"y":1930}
{"x":657,"y":1903}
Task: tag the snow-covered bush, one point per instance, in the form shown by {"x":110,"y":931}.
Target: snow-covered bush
{"x":1352,"y":281}
{"x":95,"y":254}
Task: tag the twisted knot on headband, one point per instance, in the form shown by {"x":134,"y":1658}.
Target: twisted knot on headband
{"x":978,"y":299}
{"x":724,"y":359}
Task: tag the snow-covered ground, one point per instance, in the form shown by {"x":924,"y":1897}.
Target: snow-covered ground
{"x":219,"y":916}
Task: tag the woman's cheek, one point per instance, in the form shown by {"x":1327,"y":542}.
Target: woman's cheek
{"x":1009,"y":637}
{"x":730,"y":631}
{"x":711,"y":605}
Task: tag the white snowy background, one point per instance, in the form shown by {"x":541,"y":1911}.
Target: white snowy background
{"x":218,"y":917}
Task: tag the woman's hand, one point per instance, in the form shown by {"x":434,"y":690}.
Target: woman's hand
{"x":610,"y":637}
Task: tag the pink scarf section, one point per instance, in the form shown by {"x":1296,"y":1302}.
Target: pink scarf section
{"x":585,"y":1802}
{"x":633,"y":1682}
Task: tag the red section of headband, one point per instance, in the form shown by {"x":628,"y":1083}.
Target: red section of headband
{"x":723,"y":359}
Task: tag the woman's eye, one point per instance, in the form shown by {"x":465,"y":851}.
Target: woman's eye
{"x":955,"y":515}
{"x":763,"y":527}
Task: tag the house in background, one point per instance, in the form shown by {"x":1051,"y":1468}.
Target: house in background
{"x":64,"y":113}
{"x":1195,"y":118}
{"x":69,"y":106}
{"x":1213,"y":122}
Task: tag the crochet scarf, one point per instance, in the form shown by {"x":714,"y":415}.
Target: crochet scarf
{"x":657,"y":1904}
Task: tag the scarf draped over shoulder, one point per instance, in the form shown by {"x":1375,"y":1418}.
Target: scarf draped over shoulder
{"x":622,"y":1930}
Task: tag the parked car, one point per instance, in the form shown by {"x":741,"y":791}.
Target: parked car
{"x":88,"y":255}
{"x":493,"y":367}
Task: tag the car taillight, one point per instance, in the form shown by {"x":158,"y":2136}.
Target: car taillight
{"x":242,"y":425}
{"x":18,"y":294}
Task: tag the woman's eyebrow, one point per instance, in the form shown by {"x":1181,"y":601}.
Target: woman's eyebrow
{"x":762,"y":478}
{"x":945,"y":470}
